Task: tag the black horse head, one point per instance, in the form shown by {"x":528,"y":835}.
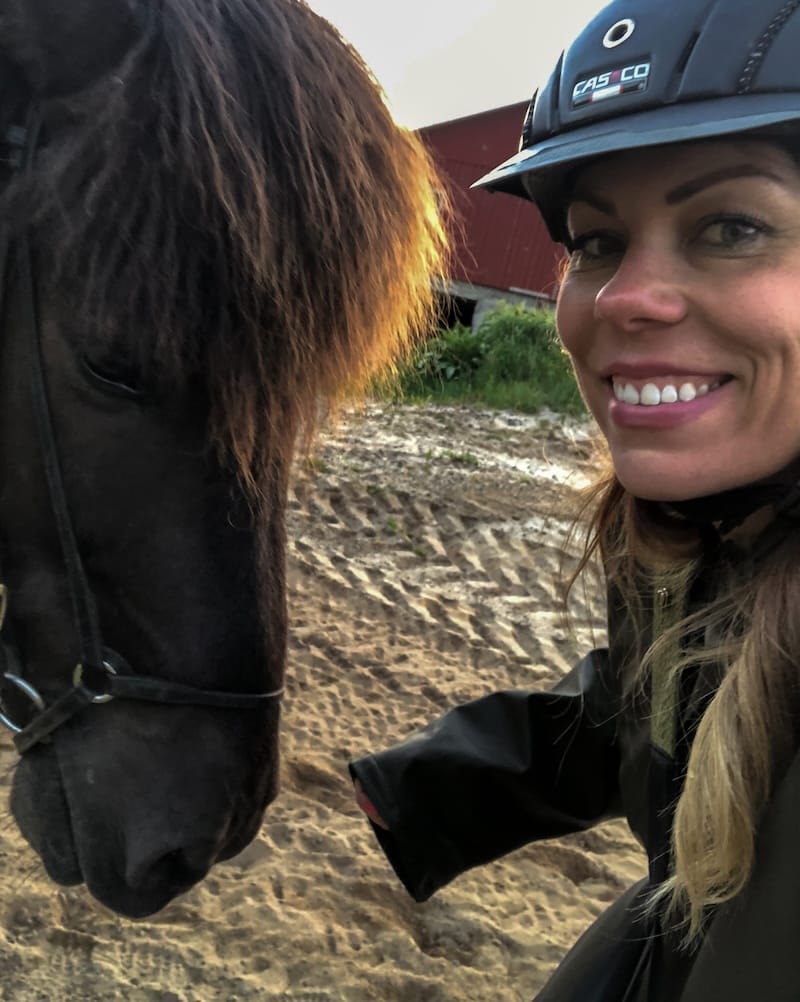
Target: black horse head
{"x":210,"y":226}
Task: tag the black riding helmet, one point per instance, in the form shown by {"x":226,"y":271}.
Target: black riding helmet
{"x":649,"y":72}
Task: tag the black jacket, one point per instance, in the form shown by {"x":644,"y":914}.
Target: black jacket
{"x":514,"y":767}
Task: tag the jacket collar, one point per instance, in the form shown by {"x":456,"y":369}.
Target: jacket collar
{"x":728,"y":509}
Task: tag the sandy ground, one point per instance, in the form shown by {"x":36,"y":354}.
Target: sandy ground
{"x":425,"y":546}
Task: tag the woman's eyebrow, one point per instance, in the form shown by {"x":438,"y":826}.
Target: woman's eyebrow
{"x":683,"y":191}
{"x":595,"y":201}
{"x":698,"y":184}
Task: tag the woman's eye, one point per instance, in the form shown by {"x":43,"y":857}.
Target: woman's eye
{"x":732,"y":232}
{"x":586,"y":248}
{"x":114,"y":377}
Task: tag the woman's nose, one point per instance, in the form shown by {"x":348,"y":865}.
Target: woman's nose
{"x":644,"y":291}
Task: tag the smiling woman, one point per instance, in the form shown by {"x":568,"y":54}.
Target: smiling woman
{"x":679,"y":312}
{"x":663,"y":154}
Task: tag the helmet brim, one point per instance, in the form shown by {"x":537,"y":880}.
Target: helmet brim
{"x":532,"y":173}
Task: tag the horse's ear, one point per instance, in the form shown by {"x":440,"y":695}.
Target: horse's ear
{"x":63,"y":47}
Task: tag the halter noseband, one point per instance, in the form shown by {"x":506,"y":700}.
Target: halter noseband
{"x":101,"y":675}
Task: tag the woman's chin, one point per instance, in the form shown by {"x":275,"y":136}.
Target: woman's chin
{"x":658,"y":485}
{"x":648,"y":493}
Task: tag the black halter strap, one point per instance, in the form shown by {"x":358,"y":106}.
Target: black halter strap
{"x":101,"y":675}
{"x":84,"y":608}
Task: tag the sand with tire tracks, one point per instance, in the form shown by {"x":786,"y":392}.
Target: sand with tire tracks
{"x":424,"y":549}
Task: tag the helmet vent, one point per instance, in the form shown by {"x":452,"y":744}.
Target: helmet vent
{"x":555,"y":121}
{"x":619,"y":33}
{"x":672,"y":91}
{"x":687,"y":53}
{"x":527,"y":125}
{"x":762,"y":46}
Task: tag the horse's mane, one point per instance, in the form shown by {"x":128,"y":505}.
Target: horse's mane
{"x":237,"y":188}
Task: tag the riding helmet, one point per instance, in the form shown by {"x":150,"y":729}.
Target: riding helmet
{"x":649,"y":72}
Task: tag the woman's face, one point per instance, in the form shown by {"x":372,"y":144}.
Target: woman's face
{"x":681,"y":312}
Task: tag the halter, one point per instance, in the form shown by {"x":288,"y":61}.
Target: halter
{"x":101,"y":675}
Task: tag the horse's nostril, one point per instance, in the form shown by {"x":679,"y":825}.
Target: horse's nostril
{"x":174,"y":871}
{"x":182,"y":869}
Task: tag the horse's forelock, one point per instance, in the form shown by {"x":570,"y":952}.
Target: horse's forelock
{"x":238,"y":187}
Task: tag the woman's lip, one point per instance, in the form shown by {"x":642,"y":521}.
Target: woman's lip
{"x":663,"y":416}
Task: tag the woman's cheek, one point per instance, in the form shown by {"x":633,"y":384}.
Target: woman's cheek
{"x":576,"y":332}
{"x":571,"y":320}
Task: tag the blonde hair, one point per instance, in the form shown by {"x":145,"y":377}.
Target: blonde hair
{"x":747,"y":732}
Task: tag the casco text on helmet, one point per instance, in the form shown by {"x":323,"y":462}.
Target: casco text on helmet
{"x":649,"y":72}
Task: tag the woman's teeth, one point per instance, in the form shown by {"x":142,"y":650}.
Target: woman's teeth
{"x":651,"y":395}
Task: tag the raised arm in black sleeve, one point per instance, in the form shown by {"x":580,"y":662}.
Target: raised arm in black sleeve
{"x":495,"y":774}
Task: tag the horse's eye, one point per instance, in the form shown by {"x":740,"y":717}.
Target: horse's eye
{"x":114,"y":376}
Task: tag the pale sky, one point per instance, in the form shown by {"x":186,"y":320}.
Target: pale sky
{"x":442,"y":59}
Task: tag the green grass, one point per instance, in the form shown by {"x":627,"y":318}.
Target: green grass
{"x":513,"y":361}
{"x":461,"y":458}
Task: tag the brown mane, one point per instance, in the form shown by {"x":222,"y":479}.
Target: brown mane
{"x":237,"y":203}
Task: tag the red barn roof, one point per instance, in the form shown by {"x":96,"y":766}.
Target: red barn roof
{"x":503,"y":243}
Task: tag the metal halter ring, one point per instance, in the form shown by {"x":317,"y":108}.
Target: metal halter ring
{"x":28,"y":690}
{"x":77,"y":681}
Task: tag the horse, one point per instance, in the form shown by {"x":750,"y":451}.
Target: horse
{"x":212,"y":230}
